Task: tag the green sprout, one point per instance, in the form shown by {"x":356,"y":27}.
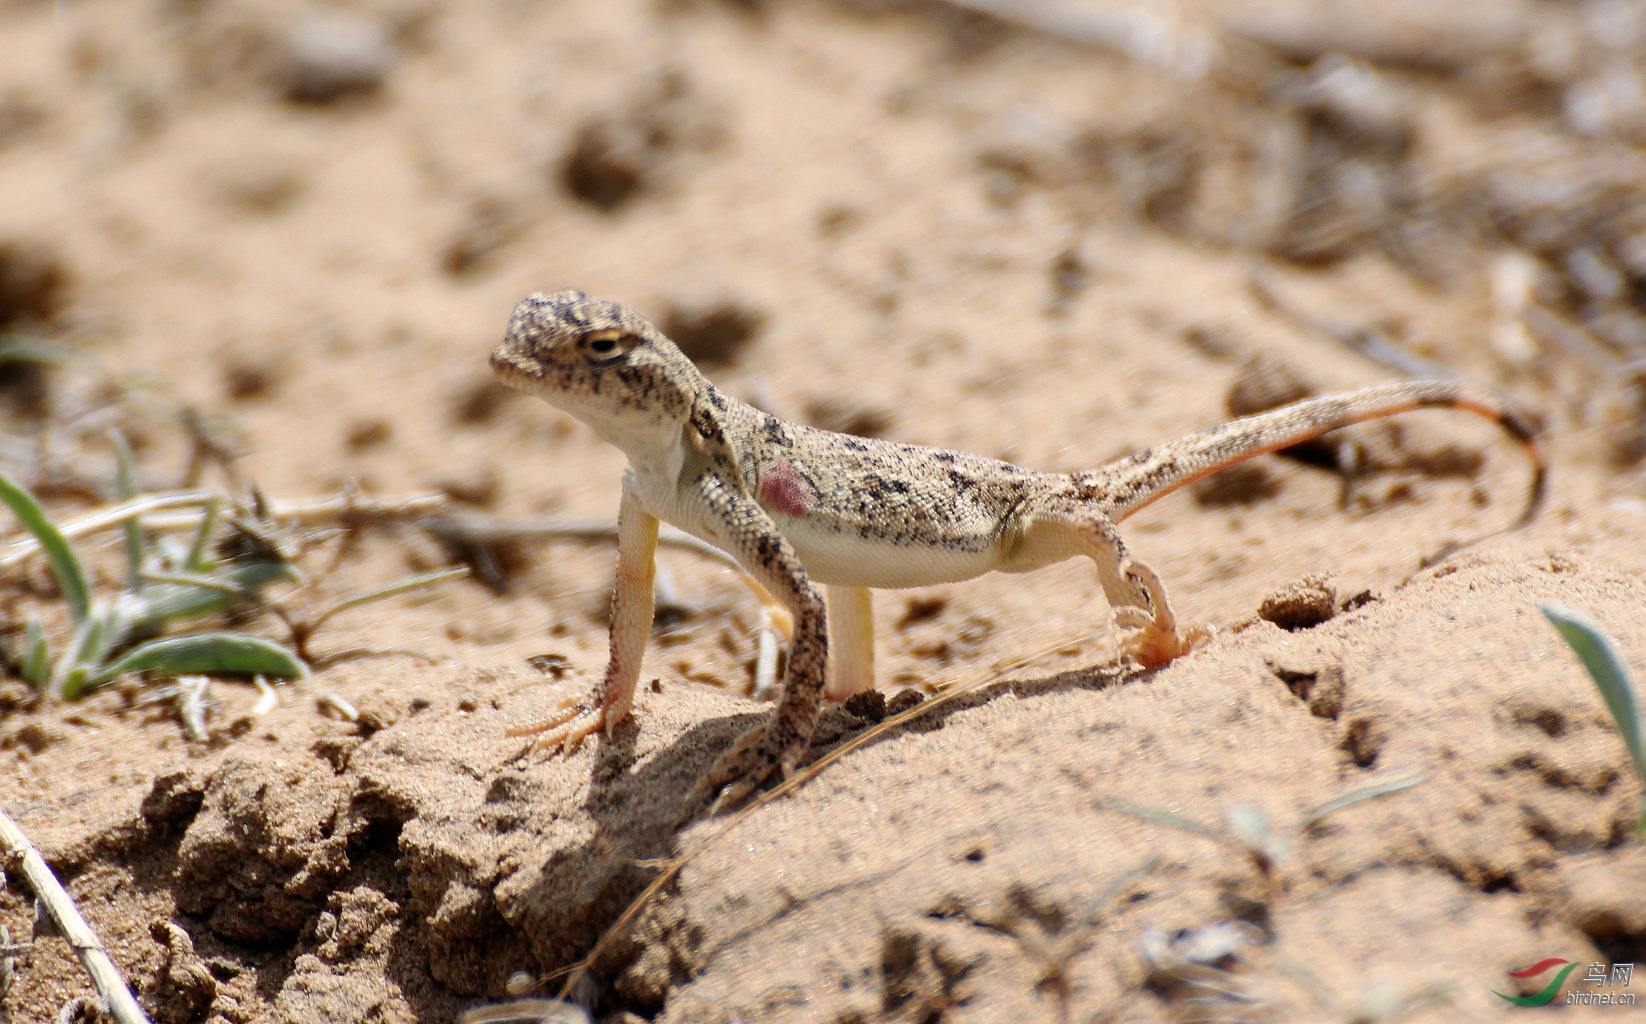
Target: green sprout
{"x":167,"y":583}
{"x":1611,"y":679}
{"x":1247,"y":830}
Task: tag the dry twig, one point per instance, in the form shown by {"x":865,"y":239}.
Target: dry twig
{"x":105,"y":975}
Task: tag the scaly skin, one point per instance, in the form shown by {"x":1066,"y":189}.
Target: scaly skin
{"x":799,"y":507}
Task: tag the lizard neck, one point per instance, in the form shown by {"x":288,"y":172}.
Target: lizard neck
{"x":644,"y":430}
{"x":661,"y":443}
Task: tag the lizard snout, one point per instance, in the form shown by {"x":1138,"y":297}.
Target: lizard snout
{"x":514,"y":366}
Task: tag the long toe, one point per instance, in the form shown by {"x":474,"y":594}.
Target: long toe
{"x":564,"y":733}
{"x":1151,"y":648}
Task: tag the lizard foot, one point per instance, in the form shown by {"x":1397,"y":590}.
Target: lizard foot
{"x":567,"y":725}
{"x":746,"y":764}
{"x":1156,"y":639}
{"x":1151,"y":647}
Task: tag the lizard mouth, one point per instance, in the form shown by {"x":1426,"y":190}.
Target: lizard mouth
{"x":513,"y":368}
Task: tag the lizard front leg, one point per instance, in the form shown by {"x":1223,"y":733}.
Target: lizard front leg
{"x":742,"y":528}
{"x":632,"y":607}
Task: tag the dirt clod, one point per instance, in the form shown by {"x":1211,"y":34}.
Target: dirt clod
{"x":481,"y":401}
{"x":1322,"y":689}
{"x":848,"y":416}
{"x":364,"y":435}
{"x":249,"y":865}
{"x":1301,"y":604}
{"x":34,"y":282}
{"x":1265,"y":382}
{"x":1244,"y":484}
{"x":715,"y":332}
{"x":617,"y":156}
{"x":249,"y":378}
{"x":489,"y":224}
{"x":1363,"y":740}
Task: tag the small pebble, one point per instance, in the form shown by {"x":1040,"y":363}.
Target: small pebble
{"x":333,"y":54}
{"x":520,"y":983}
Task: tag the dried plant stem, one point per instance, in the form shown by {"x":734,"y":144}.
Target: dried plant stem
{"x":103,"y":519}
{"x":105,"y":975}
{"x":1370,"y":342}
{"x":424,"y":507}
{"x":485,"y":531}
{"x":1142,"y":33}
{"x":347,"y":508}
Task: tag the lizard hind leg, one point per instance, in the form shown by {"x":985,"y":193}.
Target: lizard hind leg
{"x":1062,"y":528}
{"x":851,"y":642}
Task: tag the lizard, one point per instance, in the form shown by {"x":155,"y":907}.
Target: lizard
{"x":812,"y":514}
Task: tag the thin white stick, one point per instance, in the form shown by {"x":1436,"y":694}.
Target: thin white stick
{"x":592,"y":530}
{"x":329,"y":510}
{"x":27,"y":547}
{"x":765,"y":662}
{"x":105,"y":975}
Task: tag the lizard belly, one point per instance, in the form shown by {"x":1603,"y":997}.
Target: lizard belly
{"x":846,"y":558}
{"x":832,"y":553}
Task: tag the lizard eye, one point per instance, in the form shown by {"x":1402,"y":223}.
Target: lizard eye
{"x":607,"y":346}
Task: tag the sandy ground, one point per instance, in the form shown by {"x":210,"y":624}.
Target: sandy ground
{"x":909,"y":220}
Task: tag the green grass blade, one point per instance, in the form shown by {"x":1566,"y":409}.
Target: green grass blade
{"x":175,"y":596}
{"x":71,"y":578}
{"x":126,"y":477}
{"x":1370,"y":791}
{"x":92,"y":640}
{"x":197,"y":560}
{"x":37,"y":655}
{"x":16,"y":348}
{"x":206,"y":654}
{"x":1610,"y":677}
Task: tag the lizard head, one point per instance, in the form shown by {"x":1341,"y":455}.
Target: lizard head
{"x":598,"y":360}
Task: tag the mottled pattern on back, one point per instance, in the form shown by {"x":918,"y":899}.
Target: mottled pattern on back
{"x":897,"y":494}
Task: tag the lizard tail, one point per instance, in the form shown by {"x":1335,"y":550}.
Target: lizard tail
{"x":1139,"y":480}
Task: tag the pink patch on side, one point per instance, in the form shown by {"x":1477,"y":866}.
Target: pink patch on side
{"x":782,"y":490}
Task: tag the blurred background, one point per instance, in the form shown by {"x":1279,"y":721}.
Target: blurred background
{"x":871,"y":215}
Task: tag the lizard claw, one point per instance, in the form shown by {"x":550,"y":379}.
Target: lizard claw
{"x":567,"y":725}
